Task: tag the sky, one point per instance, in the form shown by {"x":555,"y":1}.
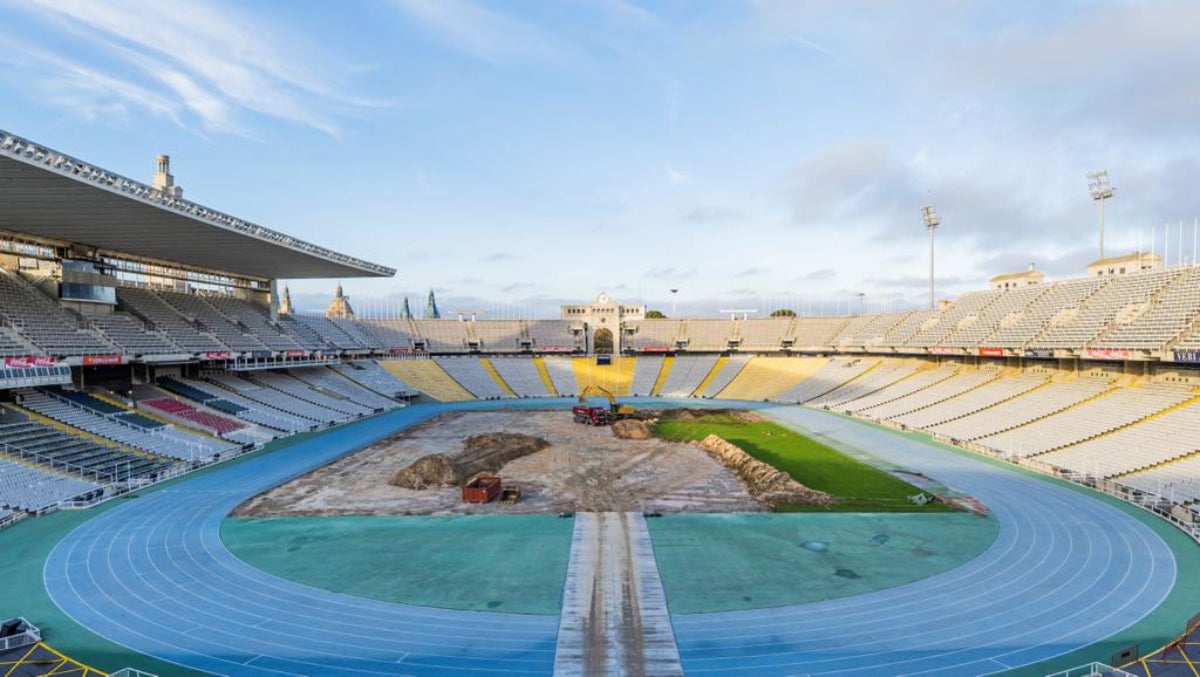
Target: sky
{"x":756,"y":154}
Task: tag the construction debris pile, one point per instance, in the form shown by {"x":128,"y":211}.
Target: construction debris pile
{"x":762,"y":480}
{"x":485,"y":453}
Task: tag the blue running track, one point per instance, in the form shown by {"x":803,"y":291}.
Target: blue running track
{"x":1065,"y":571}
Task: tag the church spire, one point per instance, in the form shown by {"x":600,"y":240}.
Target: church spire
{"x":285,"y":305}
{"x":406,"y":312}
{"x":431,"y":308}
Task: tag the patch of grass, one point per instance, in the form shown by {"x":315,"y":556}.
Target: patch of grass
{"x":858,"y":487}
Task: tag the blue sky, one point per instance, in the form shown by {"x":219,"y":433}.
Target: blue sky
{"x":517,"y":155}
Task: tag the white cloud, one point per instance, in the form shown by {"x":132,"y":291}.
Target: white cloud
{"x":483,"y":33}
{"x":212,"y":63}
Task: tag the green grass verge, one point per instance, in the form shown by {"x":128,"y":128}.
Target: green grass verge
{"x":858,"y":487}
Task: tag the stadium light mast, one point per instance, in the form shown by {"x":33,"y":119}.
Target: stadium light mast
{"x":862,"y":301}
{"x":673,"y":293}
{"x":1101,"y":190}
{"x":931,"y":224}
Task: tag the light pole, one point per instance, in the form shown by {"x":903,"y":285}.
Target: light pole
{"x":1100,"y":189}
{"x":931,"y":224}
{"x":862,"y":302}
{"x":673,"y":293}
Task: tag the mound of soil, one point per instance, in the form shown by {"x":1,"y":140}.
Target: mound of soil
{"x":631,"y":429}
{"x":485,"y":453}
{"x":763,"y":481}
{"x":740,"y":415}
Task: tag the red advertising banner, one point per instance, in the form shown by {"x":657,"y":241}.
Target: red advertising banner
{"x":943,"y":350}
{"x":400,"y":351}
{"x":28,"y":362}
{"x":555,"y":349}
{"x":102,"y":360}
{"x":991,"y":352}
{"x":223,"y":355}
{"x":1108,"y":354}
{"x":296,"y":353}
{"x":656,"y":349}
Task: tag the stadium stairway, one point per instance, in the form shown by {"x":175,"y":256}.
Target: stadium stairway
{"x":428,"y":377}
{"x":539,"y":363}
{"x":663,"y":372}
{"x":712,"y":374}
{"x":491,"y":370}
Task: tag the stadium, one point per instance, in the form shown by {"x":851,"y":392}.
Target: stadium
{"x":196,"y":479}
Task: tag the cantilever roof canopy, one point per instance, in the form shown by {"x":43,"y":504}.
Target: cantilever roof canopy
{"x":51,"y":195}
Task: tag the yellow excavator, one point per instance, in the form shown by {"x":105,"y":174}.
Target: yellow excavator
{"x":598,"y":415}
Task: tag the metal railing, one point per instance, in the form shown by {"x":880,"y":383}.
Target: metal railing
{"x":1092,"y":670}
{"x":28,"y":636}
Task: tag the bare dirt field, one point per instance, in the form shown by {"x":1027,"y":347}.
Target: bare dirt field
{"x":584,"y":468}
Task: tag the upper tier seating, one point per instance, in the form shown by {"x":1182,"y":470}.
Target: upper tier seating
{"x":391,"y":334}
{"x":28,"y":488}
{"x":551,"y":335}
{"x":11,"y":345}
{"x":255,"y":320}
{"x":767,"y":333}
{"x":1166,"y":317}
{"x":708,"y":334}
{"x":41,"y":321}
{"x":818,"y":332}
{"x":652,"y":334}
{"x":132,"y":336}
{"x":1022,"y":325}
{"x":901,"y":333}
{"x":974,"y":331}
{"x":962,"y":312}
{"x":303,"y":334}
{"x":498,"y":336}
{"x":858,"y":333}
{"x":166,"y":319}
{"x":359,"y":333}
{"x":198,"y":310}
{"x":331,"y":334}
{"x":443,"y":335}
{"x":1076,"y":327}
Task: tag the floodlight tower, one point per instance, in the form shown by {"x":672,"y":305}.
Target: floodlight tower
{"x":862,"y":301}
{"x":673,"y":293}
{"x":1101,"y":190}
{"x":931,"y":224}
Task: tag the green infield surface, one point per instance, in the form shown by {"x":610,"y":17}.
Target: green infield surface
{"x":752,"y":561}
{"x":505,"y":563}
{"x":858,"y":486}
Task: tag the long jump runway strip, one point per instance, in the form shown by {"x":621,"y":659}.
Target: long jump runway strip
{"x":1065,"y":571}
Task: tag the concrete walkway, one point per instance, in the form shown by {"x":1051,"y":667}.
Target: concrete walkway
{"x":614,"y":618}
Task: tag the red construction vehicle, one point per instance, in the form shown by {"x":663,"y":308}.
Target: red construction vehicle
{"x":482,"y":489}
{"x":591,"y":415}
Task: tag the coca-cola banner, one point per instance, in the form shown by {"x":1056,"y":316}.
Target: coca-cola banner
{"x":102,"y":360}
{"x":28,"y":362}
{"x":1107,"y":354}
{"x":656,"y":349}
{"x":224,"y":355}
{"x":991,"y":352}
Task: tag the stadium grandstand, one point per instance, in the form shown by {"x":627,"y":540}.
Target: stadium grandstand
{"x":145,"y":337}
